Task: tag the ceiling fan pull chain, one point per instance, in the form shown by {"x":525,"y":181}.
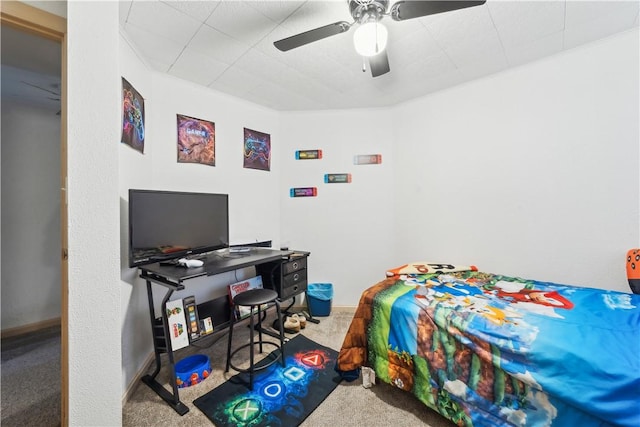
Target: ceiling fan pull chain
{"x":364,"y":65}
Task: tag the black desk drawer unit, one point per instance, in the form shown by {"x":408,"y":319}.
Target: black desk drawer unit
{"x":293,"y":284}
{"x":294,"y":265}
{"x":289,"y":278}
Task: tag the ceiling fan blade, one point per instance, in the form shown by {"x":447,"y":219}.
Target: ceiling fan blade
{"x":312,"y":36}
{"x":38,"y":87}
{"x":379,"y":64}
{"x":409,"y":9}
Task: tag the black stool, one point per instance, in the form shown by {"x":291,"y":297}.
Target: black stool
{"x":255,"y":298}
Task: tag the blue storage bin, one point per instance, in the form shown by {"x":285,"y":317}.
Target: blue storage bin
{"x":192,"y":370}
{"x":319,"y":298}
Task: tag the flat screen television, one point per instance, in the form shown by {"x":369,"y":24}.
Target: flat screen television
{"x":168,"y":225}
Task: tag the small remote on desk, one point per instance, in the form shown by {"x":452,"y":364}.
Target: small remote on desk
{"x":239,"y":250}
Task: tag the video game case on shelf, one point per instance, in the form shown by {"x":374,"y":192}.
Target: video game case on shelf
{"x":191,"y":313}
{"x":177,"y":324}
{"x":245,"y":285}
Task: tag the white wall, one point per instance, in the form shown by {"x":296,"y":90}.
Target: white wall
{"x":30,"y":214}
{"x":253,"y":195}
{"x":254,"y":208}
{"x":135,"y":171}
{"x":532,"y":172}
{"x":93,"y":97}
{"x":348,"y":228}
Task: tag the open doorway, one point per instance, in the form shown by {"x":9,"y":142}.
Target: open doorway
{"x":34,"y":219}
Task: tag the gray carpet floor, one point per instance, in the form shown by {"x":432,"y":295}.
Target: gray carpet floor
{"x":31,"y":379}
{"x":349,"y":404}
{"x":31,"y":386}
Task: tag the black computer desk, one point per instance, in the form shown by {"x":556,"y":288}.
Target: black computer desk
{"x":287,"y":275}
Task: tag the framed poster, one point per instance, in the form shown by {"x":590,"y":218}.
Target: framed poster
{"x":257,"y":150}
{"x":196,"y":141}
{"x":132,"y":117}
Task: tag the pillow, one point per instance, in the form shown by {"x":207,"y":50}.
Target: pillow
{"x":423,"y":267}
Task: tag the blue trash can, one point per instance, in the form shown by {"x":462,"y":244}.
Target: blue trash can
{"x":319,"y":298}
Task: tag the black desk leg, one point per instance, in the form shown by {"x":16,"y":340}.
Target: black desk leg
{"x":259,"y":327}
{"x":172,"y":399}
{"x":307,"y":314}
{"x":309,"y":317}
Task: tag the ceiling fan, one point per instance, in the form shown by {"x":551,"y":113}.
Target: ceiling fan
{"x":370,"y":38}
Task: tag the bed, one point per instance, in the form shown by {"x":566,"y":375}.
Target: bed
{"x":490,"y":350}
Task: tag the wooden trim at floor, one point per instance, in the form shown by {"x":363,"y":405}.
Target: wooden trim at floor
{"x":334,"y":309}
{"x":32,"y":327}
{"x":131,"y":387}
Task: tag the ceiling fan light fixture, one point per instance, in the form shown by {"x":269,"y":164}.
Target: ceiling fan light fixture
{"x":370,"y":38}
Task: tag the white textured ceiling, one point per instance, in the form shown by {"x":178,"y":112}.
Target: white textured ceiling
{"x":228,"y":46}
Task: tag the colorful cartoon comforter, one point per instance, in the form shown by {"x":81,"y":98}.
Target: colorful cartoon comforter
{"x":490,"y":350}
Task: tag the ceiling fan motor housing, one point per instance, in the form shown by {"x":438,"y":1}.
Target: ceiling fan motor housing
{"x":367,"y":10}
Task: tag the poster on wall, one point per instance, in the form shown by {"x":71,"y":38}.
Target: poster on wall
{"x":257,"y":150}
{"x":308,"y":154}
{"x":303,"y":192}
{"x":367,"y":159}
{"x":196,"y":141}
{"x":337,"y":178}
{"x":132,"y":117}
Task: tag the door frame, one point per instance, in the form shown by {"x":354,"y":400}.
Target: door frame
{"x":36,"y":21}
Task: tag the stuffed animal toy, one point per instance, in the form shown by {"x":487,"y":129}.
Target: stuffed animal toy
{"x":633,"y":270}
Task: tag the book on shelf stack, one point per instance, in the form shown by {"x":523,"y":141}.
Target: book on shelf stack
{"x":242,"y":286}
{"x":177,"y":324}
